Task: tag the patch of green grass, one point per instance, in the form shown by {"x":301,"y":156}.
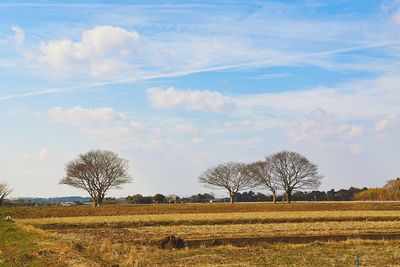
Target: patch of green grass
{"x":19,"y":247}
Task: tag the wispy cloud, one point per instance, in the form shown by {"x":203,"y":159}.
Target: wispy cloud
{"x":203,"y":41}
{"x":364,"y":99}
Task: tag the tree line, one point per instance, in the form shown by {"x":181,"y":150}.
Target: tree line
{"x":246,"y":196}
{"x":251,"y":196}
{"x":282,"y":175}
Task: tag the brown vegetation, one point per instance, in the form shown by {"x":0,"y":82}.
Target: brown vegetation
{"x":112,"y":210}
{"x":391,"y":191}
{"x":313,"y":234}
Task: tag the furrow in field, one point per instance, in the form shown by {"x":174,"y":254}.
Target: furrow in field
{"x":144,"y":235}
{"x":211,"y":218}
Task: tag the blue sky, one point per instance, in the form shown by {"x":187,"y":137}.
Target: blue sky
{"x":179,"y":86}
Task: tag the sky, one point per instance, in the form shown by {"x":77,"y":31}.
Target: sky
{"x":176,"y":87}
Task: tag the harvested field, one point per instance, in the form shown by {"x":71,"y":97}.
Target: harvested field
{"x":113,"y":210}
{"x":302,"y":235}
{"x":211,"y":218}
{"x":241,"y":234}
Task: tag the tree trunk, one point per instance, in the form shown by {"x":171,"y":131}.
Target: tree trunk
{"x":100,"y":200}
{"x":232,"y":198}
{"x":289,"y":196}
{"x":274,"y":197}
{"x":97,"y":202}
{"x":1,"y":201}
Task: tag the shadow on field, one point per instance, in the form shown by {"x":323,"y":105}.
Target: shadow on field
{"x":299,"y":239}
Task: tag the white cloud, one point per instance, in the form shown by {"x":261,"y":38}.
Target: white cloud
{"x":17,"y":39}
{"x":40,"y":157}
{"x":101,"y":122}
{"x":184,"y":128}
{"x":359,"y":100}
{"x":42,"y":154}
{"x":386,"y":122}
{"x":19,"y":35}
{"x":189,"y":99}
{"x":78,"y":116}
{"x":355,"y":149}
{"x":350,"y":131}
{"x":196,"y":141}
{"x":320,"y":125}
{"x":101,"y":50}
{"x":109,"y":126}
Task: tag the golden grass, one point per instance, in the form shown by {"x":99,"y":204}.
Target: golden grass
{"x":371,"y":253}
{"x":116,"y":239}
{"x":257,"y":230}
{"x":142,"y":235}
{"x":212,"y":218}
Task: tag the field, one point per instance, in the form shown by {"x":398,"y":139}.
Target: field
{"x":217,"y":234}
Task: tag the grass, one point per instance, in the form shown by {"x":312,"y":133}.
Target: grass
{"x":143,"y":235}
{"x":210,"y":218}
{"x":19,"y":247}
{"x":124,"y":235}
{"x":22,"y":245}
{"x":115,"y":210}
{"x":372,"y":253}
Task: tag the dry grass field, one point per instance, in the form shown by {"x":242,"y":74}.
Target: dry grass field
{"x":217,"y":234}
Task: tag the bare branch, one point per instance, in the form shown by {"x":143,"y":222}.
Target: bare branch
{"x":232,"y":176}
{"x":5,"y":190}
{"x":262,"y":176}
{"x":96,"y":172}
{"x":293,"y":171}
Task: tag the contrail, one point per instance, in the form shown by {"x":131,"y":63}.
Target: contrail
{"x":187,"y":72}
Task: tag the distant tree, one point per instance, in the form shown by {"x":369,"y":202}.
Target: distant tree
{"x":173,"y":198}
{"x":5,"y":190}
{"x":97,"y":172}
{"x":159,"y":198}
{"x":247,"y":196}
{"x":251,"y":196}
{"x":392,"y":189}
{"x":262,"y":176}
{"x":374,"y":194}
{"x":200,"y":198}
{"x":293,"y":171}
{"x":139,"y":199}
{"x":232,"y":176}
{"x":135,"y":199}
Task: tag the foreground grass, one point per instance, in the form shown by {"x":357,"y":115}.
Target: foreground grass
{"x":371,"y":253}
{"x":19,"y":247}
{"x":108,"y":236}
{"x":26,"y":246}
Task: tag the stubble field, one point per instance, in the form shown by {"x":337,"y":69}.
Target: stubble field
{"x":215,"y":234}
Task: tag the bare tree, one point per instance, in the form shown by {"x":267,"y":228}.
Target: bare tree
{"x":392,"y":189}
{"x":232,"y":176}
{"x":5,"y":190}
{"x":96,"y":172}
{"x":293,"y":171}
{"x":262,"y":176}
